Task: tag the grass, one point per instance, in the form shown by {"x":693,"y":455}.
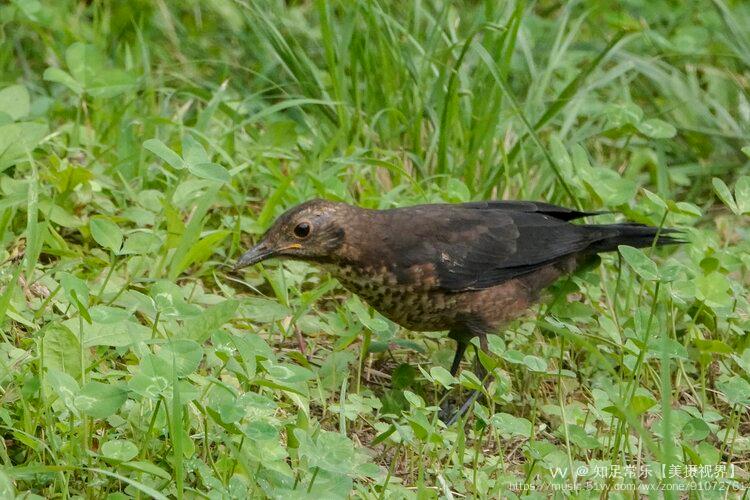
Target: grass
{"x":144,"y":145}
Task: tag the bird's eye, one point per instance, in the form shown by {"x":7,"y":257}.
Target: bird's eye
{"x":302,"y":230}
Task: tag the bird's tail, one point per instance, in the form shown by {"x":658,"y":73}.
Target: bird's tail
{"x":634,"y":235}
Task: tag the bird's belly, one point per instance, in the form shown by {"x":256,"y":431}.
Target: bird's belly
{"x":410,"y":306}
{"x":420,"y":307}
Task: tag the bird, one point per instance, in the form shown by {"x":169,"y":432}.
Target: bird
{"x":468,"y":268}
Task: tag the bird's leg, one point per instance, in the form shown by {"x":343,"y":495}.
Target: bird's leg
{"x":481,"y":373}
{"x":464,"y":408}
{"x":460,"y":350}
{"x":462,"y":342}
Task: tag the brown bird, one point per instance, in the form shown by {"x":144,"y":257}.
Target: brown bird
{"x":466,"y":268}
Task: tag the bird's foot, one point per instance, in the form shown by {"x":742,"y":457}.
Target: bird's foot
{"x":447,"y":410}
{"x":449,"y":415}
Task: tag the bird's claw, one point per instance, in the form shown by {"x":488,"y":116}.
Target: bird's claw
{"x":449,"y":416}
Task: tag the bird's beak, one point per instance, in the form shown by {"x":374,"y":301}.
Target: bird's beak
{"x":258,"y":253}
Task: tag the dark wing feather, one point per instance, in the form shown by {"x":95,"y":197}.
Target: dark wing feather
{"x":539,"y":207}
{"x":491,"y":259}
{"x":472,"y":248}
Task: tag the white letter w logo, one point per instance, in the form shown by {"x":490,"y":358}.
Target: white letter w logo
{"x":559,"y":472}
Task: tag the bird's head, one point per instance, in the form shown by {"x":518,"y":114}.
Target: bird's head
{"x":312,"y":231}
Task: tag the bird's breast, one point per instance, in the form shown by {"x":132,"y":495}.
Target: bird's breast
{"x":413,"y":305}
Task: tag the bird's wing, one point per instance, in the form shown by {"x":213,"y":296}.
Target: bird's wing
{"x":472,"y":248}
{"x":539,"y":207}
